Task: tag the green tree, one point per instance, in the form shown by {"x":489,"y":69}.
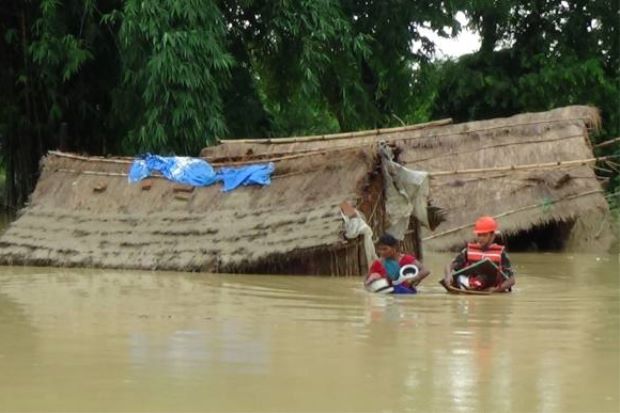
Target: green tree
{"x":175,"y":65}
{"x":126,"y":76}
{"x":537,"y":55}
{"x":51,"y":86}
{"x":345,"y":64}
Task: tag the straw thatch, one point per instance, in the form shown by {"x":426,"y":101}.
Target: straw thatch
{"x":528,"y":170}
{"x":84,"y":213}
{"x":505,"y":167}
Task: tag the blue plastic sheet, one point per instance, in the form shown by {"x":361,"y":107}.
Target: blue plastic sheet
{"x":198,"y":172}
{"x":247,"y":175}
{"x":180,"y":169}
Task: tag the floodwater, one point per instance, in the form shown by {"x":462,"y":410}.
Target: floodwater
{"x":104,"y":340}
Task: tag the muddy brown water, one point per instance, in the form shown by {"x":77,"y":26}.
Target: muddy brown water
{"x":105,"y":340}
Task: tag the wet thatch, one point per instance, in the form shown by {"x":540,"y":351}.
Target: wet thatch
{"x":531,"y":171}
{"x":536,"y":192}
{"x":85,"y":213}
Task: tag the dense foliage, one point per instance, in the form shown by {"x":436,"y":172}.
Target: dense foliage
{"x":126,"y":76}
{"x":537,"y":55}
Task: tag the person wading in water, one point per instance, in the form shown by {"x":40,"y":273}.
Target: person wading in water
{"x":389,"y":266}
{"x":484,"y":248}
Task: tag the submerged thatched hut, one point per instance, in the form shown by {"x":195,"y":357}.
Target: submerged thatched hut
{"x":533,"y":171}
{"x":84,"y":212}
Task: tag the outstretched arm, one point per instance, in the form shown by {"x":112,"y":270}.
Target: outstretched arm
{"x":375,"y":271}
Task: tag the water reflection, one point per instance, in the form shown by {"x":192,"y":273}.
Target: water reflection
{"x":184,"y":342}
{"x":19,"y":357}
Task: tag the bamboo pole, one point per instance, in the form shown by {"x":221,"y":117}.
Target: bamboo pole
{"x":514,"y":211}
{"x":214,"y":163}
{"x":322,"y":151}
{"x":266,"y":160}
{"x":288,"y":175}
{"x":90,"y":172}
{"x":98,"y":173}
{"x":607,"y":143}
{"x":517,"y":180}
{"x":451,"y":154}
{"x":613,"y":165}
{"x":489,"y":128}
{"x":127,"y":162}
{"x":598,"y":168}
{"x":522,"y":167}
{"x":277,"y":155}
{"x":89,"y":158}
{"x":374,"y":208}
{"x":435,"y":135}
{"x":343,"y":135}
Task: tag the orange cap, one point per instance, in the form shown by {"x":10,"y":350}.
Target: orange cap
{"x":485,"y":225}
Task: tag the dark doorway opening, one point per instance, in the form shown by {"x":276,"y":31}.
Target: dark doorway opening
{"x":550,"y":236}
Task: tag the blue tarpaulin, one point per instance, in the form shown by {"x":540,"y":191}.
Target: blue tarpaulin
{"x":198,"y":172}
{"x":259,"y":174}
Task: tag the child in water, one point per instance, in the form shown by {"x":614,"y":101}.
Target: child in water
{"x":389,"y":265}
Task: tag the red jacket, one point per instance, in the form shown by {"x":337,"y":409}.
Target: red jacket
{"x":493,"y":252}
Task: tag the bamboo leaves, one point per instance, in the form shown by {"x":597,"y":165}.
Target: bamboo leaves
{"x":176,"y":64}
{"x":174,"y":75}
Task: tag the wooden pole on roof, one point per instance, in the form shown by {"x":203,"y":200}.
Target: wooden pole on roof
{"x":98,"y":173}
{"x":607,"y":143}
{"x":407,"y":128}
{"x":522,"y":167}
{"x":513,"y":211}
{"x":90,"y":158}
{"x":494,"y":146}
{"x":214,"y":162}
{"x":344,"y":135}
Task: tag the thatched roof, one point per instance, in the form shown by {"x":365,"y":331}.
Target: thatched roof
{"x":83,"y":212}
{"x":533,"y":193}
